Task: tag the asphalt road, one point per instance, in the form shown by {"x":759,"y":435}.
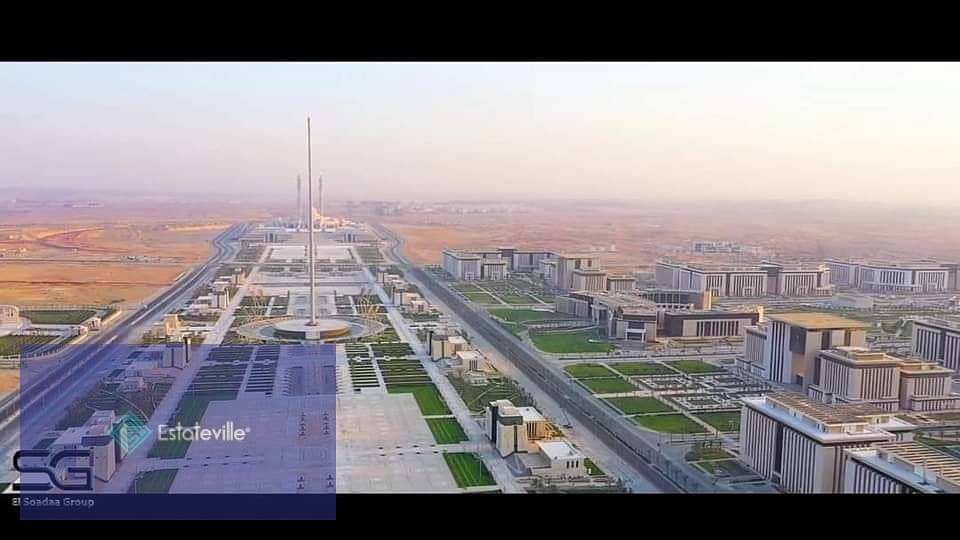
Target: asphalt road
{"x":608,"y":434}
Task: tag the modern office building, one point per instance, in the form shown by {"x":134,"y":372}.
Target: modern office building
{"x":619,"y":315}
{"x":567,"y":265}
{"x":714,"y":323}
{"x":766,"y":278}
{"x":856,"y":374}
{"x":894,"y":276}
{"x":798,"y":443}
{"x":589,"y":280}
{"x":937,"y":340}
{"x":511,"y":259}
{"x":677,"y":298}
{"x":900,"y":467}
{"x":621,"y":283}
{"x":468,"y":265}
{"x":513,"y":429}
{"x":791,"y":341}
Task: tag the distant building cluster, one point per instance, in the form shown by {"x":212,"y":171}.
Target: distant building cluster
{"x":895,"y":277}
{"x":563,"y":272}
{"x":703,"y":247}
{"x":641,"y":317}
{"x":766,"y":278}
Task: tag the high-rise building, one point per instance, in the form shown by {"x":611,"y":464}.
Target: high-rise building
{"x":798,"y":443}
{"x":783,"y":348}
{"x":937,"y":340}
{"x":856,"y":374}
{"x":900,"y":467}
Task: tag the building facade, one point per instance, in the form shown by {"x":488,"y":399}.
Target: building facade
{"x":937,"y":340}
{"x":798,"y":443}
{"x":894,"y":277}
{"x":766,"y":278}
{"x":900,"y":468}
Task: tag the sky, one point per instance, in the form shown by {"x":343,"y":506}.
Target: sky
{"x":882,"y":132}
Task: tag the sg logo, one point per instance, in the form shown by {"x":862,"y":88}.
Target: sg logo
{"x":51,"y":470}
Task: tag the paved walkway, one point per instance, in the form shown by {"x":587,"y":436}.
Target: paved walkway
{"x":496,"y":465}
{"x":137,"y":460}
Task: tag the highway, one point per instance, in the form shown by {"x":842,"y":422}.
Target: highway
{"x":643,"y":456}
{"x":47,"y":395}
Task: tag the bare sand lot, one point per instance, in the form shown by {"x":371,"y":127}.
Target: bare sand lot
{"x":628,"y":237}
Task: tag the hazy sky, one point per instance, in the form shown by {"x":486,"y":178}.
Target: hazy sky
{"x":874,"y":131}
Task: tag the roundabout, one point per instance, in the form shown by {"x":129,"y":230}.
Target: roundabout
{"x":297,"y":330}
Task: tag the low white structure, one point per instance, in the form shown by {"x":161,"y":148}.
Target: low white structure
{"x":565,"y":461}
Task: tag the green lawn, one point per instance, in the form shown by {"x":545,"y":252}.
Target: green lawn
{"x":446,"y":430}
{"x":468,"y":470}
{"x":477,"y":397}
{"x":638,"y":405}
{"x":592,"y":468}
{"x":669,"y":423}
{"x":725,"y":467}
{"x":584,"y":371}
{"x":724,"y":421}
{"x":156,"y":481}
{"x":693,"y":366}
{"x":511,"y":298}
{"x":513,"y":328}
{"x":10,"y":344}
{"x":698,"y":453}
{"x":428,"y":397}
{"x":467,"y":287}
{"x":524,"y":315}
{"x":642,"y":368}
{"x":568,"y":342}
{"x":607,"y":386}
{"x":76,"y":316}
{"x":480,"y":298}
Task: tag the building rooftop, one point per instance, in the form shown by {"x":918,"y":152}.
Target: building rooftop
{"x":950,"y":323}
{"x":817,"y":321}
{"x":915,"y":463}
{"x":829,"y":414}
{"x":557,"y":449}
{"x":530,"y":414}
{"x":902,"y":265}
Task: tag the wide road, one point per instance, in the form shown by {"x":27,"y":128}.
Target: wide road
{"x":47,"y":396}
{"x":638,"y":463}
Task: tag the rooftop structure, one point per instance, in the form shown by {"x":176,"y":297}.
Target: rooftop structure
{"x":818,"y":321}
{"x":901,"y":467}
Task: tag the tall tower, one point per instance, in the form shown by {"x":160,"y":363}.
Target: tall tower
{"x":320,"y":198}
{"x":299,"y":204}
{"x":310,"y":248}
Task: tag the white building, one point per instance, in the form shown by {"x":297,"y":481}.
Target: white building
{"x":513,"y":429}
{"x":900,"y":467}
{"x":937,"y":340}
{"x":894,"y":277}
{"x":856,"y":374}
{"x":589,"y":280}
{"x":791,"y":341}
{"x":621,"y":283}
{"x":564,"y":460}
{"x":746,"y":281}
{"x":798,"y":443}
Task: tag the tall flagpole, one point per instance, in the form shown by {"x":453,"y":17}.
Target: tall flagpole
{"x":310,"y":250}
